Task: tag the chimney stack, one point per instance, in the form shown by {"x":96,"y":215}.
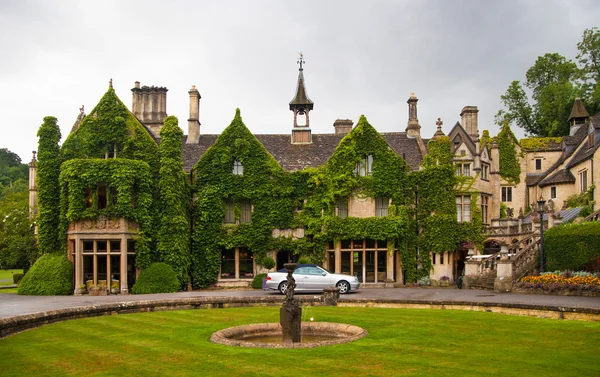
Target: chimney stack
{"x":194,"y":120}
{"x":413,"y":129}
{"x":469,"y":121}
{"x":342,"y":126}
{"x":149,"y":105}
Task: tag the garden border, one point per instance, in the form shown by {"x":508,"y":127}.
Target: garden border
{"x":16,"y":324}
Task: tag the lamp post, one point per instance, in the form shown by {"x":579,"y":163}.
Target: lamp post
{"x":541,"y":204}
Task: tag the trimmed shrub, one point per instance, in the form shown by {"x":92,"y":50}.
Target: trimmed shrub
{"x":572,"y":246}
{"x":257,"y":281}
{"x":266,"y":262}
{"x":50,"y":275}
{"x":17,"y":278}
{"x":158,"y":278}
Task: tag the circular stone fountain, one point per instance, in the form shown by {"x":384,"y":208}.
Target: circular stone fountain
{"x":290,"y":332}
{"x":269,"y":335}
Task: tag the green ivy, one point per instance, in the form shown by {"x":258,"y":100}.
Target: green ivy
{"x":48,"y":169}
{"x":173,"y":236}
{"x":510,"y":169}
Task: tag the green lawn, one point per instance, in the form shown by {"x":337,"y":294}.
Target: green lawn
{"x":407,"y":342}
{"x":8,"y":275}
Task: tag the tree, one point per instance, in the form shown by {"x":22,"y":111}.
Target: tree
{"x":11,"y":168}
{"x":589,"y":62}
{"x":555,"y":82}
{"x":17,"y":241}
{"x":552,"y":81}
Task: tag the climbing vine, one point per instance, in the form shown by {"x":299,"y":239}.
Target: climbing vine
{"x":48,"y":169}
{"x":173,"y":235}
{"x":510,"y":169}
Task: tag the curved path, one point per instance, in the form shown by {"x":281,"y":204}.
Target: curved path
{"x":14,"y":305}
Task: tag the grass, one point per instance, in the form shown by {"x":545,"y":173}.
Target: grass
{"x":401,"y":342}
{"x":9,"y":290}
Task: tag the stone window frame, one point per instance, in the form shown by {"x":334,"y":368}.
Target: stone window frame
{"x":583,"y":180}
{"x":506,"y":194}
{"x":538,"y":163}
{"x":553,"y":192}
{"x":364,"y":168}
{"x":463,"y":208}
{"x":342,"y":208}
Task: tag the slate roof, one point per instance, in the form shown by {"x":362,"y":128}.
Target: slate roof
{"x":567,"y":215}
{"x":561,"y":176}
{"x":585,"y":153}
{"x":578,"y":110}
{"x":294,"y":157}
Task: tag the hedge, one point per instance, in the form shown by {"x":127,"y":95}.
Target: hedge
{"x":50,"y":275}
{"x":158,"y":278}
{"x":572,"y":246}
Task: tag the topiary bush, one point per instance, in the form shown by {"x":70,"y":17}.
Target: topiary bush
{"x":50,"y":275}
{"x":572,"y":246}
{"x":158,"y":278}
{"x":257,"y":281}
{"x":17,"y":278}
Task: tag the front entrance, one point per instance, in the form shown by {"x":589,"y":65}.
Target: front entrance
{"x":283,"y":256}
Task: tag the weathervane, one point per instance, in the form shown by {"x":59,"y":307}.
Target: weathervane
{"x":301,"y":60}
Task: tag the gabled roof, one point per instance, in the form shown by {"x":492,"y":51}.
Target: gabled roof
{"x":561,"y":176}
{"x":464,"y":136}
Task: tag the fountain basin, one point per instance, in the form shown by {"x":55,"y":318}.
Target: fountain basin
{"x":269,"y":335}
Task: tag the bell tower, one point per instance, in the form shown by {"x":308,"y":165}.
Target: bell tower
{"x":301,"y":105}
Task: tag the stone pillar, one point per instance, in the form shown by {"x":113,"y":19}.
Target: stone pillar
{"x":33,"y":187}
{"x":471,"y":272}
{"x":330,"y":296}
{"x":78,"y":267}
{"x":338,"y":257}
{"x":124,"y":287}
{"x":504,"y":273}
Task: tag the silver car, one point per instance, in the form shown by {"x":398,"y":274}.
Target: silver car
{"x":312,"y":278}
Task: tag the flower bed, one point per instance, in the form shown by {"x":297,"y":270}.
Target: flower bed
{"x":561,"y":283}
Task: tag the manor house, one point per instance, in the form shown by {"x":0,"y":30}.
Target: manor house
{"x":104,"y":246}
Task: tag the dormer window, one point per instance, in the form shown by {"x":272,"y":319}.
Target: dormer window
{"x":238,"y":168}
{"x":364,"y":167}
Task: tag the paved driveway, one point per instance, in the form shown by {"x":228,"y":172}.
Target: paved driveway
{"x":12,"y":304}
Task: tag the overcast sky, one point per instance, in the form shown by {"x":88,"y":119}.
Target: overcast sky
{"x":361,"y":58}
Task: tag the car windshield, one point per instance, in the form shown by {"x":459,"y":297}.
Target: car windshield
{"x":310,"y":270}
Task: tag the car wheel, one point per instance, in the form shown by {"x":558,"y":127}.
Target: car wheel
{"x":344,"y":286}
{"x":283,"y":287}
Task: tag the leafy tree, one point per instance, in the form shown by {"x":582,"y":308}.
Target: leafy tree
{"x":552,"y":82}
{"x":11,"y":168}
{"x":589,"y":62}
{"x":17,"y":242}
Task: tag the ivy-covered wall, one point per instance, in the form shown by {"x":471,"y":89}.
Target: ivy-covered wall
{"x":111,"y":147}
{"x":174,"y":229}
{"x":146,"y":183}
{"x":421,"y":215}
{"x":510,"y":168}
{"x":48,"y":169}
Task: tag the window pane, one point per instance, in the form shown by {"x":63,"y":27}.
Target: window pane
{"x":246,"y":263}
{"x":101,"y":196}
{"x":88,"y":246}
{"x":346,"y":244}
{"x":115,"y":246}
{"x":101,"y":246}
{"x":342,"y":208}
{"x":229,"y":213}
{"x":467,"y":169}
{"x":228,"y":264}
{"x":370,"y":244}
{"x":346,"y":257}
{"x":238,"y":169}
{"x":245,"y":211}
{"x":370,"y":164}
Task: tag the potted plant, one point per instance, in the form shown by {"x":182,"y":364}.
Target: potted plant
{"x":444,"y":281}
{"x":114,"y":287}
